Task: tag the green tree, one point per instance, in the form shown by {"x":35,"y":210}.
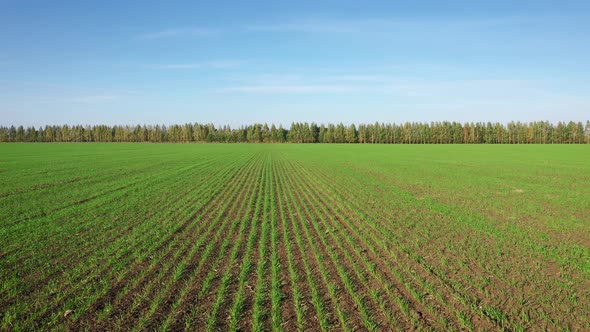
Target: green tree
{"x":351,"y":134}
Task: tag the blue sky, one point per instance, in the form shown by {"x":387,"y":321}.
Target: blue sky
{"x":127,"y":62}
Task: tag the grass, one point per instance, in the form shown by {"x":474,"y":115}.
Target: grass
{"x":294,"y":237}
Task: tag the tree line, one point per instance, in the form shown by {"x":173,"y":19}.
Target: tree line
{"x":445,"y":132}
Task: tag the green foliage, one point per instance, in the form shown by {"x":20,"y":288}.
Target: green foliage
{"x":293,"y":236}
{"x":445,"y":132}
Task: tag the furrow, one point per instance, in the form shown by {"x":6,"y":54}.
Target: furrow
{"x":189,"y":304}
{"x":328,"y":270}
{"x":413,"y":268}
{"x":88,"y":268}
{"x":241,"y":302}
{"x":361,"y":303}
{"x":313,"y":295}
{"x":219,"y":314}
{"x":214,"y":281}
{"x":175,"y":274}
{"x":165,"y":242}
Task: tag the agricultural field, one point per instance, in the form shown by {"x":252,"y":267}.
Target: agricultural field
{"x":294,"y":237}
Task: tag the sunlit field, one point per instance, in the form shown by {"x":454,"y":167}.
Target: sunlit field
{"x":294,"y":237}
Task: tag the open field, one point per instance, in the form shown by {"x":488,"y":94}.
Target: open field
{"x":294,"y":237}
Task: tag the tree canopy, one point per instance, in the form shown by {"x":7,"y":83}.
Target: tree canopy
{"x":445,"y":132}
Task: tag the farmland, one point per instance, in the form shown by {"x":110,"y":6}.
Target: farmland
{"x":294,"y":237}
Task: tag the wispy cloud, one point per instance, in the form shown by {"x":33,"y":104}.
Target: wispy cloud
{"x":215,"y":64}
{"x":388,"y":85}
{"x":57,"y":88}
{"x":59,"y":93}
{"x":307,"y":26}
{"x":166,"y":33}
{"x":76,"y":99}
{"x":361,"y":78}
{"x":90,"y":99}
{"x":483,"y":89}
{"x":72,"y":100}
{"x":288,"y":88}
{"x":325,"y":25}
{"x":330,"y":25}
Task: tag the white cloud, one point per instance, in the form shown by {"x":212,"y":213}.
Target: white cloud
{"x":166,"y":33}
{"x":215,"y":64}
{"x":90,"y":99}
{"x":323,"y":25}
{"x":288,"y":88}
{"x":307,"y":26}
{"x":387,"y":84}
{"x":361,"y":78}
{"x":178,"y":66}
{"x":75,"y":99}
{"x":490,"y":88}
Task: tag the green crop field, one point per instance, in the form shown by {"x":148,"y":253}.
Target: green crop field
{"x":294,"y":237}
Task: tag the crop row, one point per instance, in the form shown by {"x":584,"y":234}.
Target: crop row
{"x":272,"y":238}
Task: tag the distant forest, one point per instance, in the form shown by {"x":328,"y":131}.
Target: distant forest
{"x":539,"y":132}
